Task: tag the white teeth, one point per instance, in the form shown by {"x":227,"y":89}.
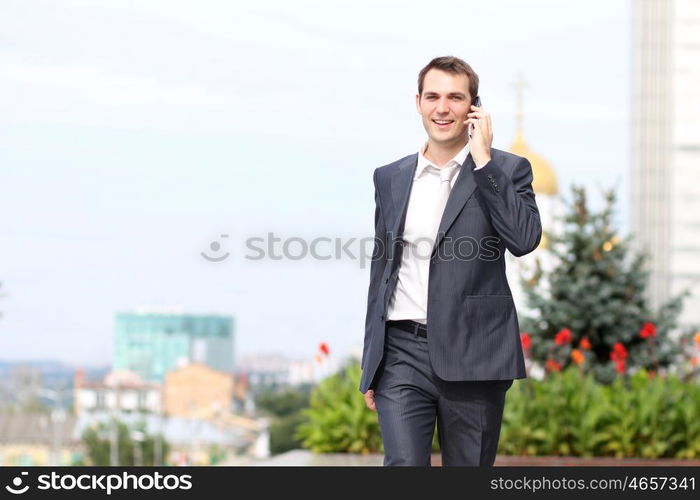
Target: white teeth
{"x":443,"y":122}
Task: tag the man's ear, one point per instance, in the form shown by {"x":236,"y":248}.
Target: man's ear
{"x":418,"y":103}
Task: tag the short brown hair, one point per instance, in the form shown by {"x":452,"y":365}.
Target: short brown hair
{"x":452,"y":65}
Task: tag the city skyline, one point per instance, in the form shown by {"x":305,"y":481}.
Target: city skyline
{"x":134,"y":136}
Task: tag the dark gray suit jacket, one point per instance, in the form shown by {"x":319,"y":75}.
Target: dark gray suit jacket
{"x":473,"y":331}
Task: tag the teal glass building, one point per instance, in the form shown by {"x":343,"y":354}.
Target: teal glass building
{"x":151,"y":344}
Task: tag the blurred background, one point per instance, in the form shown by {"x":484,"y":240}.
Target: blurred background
{"x":166,"y":165}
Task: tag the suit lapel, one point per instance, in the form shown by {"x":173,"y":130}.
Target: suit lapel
{"x":401,"y":182}
{"x":461,"y":192}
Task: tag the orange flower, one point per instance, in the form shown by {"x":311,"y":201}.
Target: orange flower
{"x":577,"y":356}
{"x":694,"y":361}
{"x":585,"y":344}
{"x":696,"y":338}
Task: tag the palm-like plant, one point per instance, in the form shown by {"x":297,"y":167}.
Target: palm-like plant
{"x":338,"y":420}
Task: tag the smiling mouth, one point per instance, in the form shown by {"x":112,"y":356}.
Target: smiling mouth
{"x":443,"y":123}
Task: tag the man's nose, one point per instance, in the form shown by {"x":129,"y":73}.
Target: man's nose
{"x":442,"y":106}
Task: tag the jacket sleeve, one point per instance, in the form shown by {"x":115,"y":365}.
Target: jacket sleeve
{"x":379,"y":259}
{"x":510,"y":201}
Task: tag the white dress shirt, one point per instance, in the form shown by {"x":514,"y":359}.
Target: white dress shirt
{"x":410,"y":297}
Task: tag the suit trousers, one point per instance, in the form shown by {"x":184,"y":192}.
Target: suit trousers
{"x":410,"y":398}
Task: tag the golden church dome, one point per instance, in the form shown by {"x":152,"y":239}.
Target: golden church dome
{"x":544,"y":179}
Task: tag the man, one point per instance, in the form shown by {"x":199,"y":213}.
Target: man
{"x":442,"y":340}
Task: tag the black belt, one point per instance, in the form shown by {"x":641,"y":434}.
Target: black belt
{"x":410,"y":326}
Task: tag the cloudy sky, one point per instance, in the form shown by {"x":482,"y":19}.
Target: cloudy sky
{"x":134,"y":134}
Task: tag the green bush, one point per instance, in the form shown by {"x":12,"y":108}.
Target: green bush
{"x":571,"y":414}
{"x":283,"y":433}
{"x":338,"y":420}
{"x":566,"y":414}
{"x":285,"y":409}
{"x":282,"y":403}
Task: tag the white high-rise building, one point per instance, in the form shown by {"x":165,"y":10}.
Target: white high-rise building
{"x":665,"y":142}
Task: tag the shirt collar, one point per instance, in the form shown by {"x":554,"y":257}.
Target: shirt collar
{"x":424,"y":163}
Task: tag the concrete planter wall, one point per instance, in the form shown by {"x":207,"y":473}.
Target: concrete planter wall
{"x":305,"y":457}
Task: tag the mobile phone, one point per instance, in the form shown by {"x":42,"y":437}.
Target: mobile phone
{"x":475,"y":102}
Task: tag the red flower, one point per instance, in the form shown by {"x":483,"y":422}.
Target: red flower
{"x":577,"y":356}
{"x":525,"y":340}
{"x":620,"y":366}
{"x":563,"y":337}
{"x":323,"y":347}
{"x":647,"y":330}
{"x":619,"y":353}
{"x":552,"y":366}
{"x":585,"y":344}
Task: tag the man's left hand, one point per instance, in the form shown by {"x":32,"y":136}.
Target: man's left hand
{"x":482,"y":136}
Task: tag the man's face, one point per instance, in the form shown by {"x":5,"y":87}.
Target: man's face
{"x":444,"y":106}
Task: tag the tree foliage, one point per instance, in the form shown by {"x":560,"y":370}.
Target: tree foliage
{"x":98,"y":443}
{"x":596,"y":291}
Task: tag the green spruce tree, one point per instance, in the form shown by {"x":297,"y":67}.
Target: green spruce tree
{"x":590,"y":309}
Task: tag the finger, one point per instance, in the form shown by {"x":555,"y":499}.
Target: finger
{"x":369,"y":399}
{"x":485,"y":117}
{"x":369,"y":402}
{"x":483,"y":122}
{"x":475,"y":122}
